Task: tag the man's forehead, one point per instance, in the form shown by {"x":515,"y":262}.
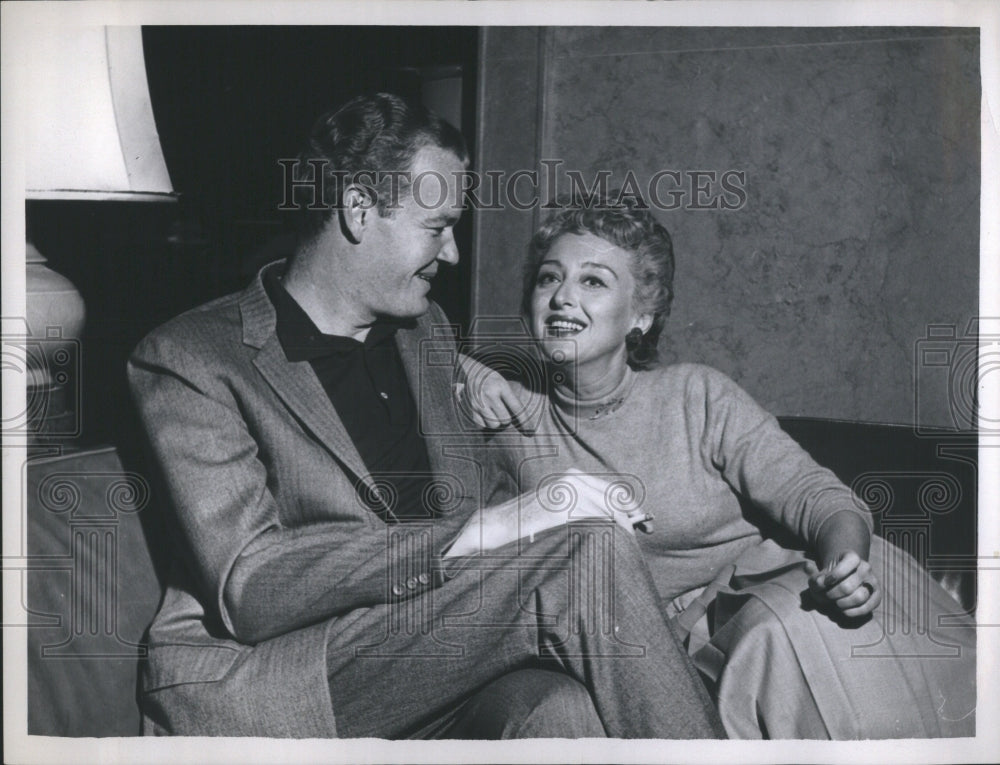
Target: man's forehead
{"x":432,"y":157}
{"x":436,"y":185}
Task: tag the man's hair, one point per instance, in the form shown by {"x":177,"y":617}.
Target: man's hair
{"x":630,"y":226}
{"x":363,"y":142}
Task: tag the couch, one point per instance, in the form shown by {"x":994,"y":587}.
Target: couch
{"x":96,"y":550}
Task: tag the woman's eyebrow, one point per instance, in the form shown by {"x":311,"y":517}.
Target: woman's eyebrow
{"x":594,"y":264}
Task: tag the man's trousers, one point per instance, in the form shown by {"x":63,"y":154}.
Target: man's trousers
{"x":577,"y":600}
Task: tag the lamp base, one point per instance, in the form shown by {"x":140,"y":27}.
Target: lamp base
{"x":52,"y":300}
{"x":55,"y":318}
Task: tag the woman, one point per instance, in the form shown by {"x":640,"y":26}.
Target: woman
{"x":790,"y":636}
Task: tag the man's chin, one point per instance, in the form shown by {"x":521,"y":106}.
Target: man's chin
{"x":412,"y":309}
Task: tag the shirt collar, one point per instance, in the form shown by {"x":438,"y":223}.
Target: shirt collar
{"x":301,"y":339}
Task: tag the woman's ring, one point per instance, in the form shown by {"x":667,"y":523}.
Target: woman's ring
{"x":870,"y":587}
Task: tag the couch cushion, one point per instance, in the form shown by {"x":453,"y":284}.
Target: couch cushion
{"x":92,"y":592}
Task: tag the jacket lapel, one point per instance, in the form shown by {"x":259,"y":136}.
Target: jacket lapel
{"x":303,"y":394}
{"x":429,"y":360}
{"x":295,"y":382}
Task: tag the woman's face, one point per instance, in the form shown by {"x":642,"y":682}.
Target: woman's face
{"x":582,"y":303}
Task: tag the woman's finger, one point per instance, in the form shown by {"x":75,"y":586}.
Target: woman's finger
{"x":845,"y":587}
{"x":495,"y":417}
{"x":511,"y":404}
{"x":817,"y":590}
{"x":847,"y":563}
{"x":870,"y":604}
{"x":858,"y":597}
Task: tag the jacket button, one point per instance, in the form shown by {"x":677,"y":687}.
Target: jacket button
{"x":397,"y":589}
{"x":424,"y":578}
{"x":411,"y":583}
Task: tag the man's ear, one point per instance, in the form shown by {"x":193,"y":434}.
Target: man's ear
{"x":355,"y":211}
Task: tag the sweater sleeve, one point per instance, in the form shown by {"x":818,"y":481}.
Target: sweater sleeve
{"x":764,"y":464}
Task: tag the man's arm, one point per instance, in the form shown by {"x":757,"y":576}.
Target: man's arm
{"x":261,"y":577}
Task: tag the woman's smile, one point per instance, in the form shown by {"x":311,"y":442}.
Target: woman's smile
{"x":559,"y":326}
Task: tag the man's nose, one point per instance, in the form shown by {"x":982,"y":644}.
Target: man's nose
{"x":449,"y":249}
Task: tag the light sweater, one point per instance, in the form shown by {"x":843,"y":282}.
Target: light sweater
{"x":689,"y":443}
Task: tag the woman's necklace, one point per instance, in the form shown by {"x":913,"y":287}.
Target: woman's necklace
{"x":598,"y":407}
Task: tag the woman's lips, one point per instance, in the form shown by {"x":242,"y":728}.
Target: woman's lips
{"x":563,"y":327}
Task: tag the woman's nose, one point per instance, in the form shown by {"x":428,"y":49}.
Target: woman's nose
{"x":564,"y":295}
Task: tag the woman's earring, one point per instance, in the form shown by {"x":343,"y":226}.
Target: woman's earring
{"x":634,"y":337}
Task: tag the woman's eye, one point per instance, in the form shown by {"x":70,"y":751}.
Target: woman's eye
{"x":546,"y":279}
{"x":593,"y":281}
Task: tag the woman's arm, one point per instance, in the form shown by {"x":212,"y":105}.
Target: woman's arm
{"x":846,"y":581}
{"x":840,"y":534}
{"x":484,"y":396}
{"x":765,"y":465}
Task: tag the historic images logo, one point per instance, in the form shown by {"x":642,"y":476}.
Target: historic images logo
{"x":313,"y":185}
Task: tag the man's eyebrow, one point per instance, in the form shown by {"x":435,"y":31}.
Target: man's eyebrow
{"x":442,"y":220}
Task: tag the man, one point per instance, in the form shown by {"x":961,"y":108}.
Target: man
{"x":313,"y":499}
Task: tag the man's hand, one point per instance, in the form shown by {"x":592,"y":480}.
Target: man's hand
{"x":846,"y":585}
{"x":575,"y":496}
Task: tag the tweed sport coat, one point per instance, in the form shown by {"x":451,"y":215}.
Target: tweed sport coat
{"x":273,"y":508}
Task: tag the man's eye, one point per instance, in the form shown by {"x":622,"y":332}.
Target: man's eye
{"x":437,"y":231}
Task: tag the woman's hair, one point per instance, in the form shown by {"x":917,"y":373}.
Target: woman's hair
{"x":371,"y":140}
{"x":630,"y":226}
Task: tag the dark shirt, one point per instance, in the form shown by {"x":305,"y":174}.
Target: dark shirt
{"x":367,"y":385}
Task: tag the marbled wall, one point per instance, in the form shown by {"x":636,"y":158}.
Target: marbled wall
{"x":858,"y":220}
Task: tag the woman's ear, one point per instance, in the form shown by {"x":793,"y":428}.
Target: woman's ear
{"x":357,"y":206}
{"x":643,"y":321}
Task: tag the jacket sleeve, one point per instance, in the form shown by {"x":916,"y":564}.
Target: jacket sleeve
{"x":764,"y":464}
{"x":260,"y":577}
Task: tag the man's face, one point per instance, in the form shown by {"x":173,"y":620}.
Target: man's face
{"x":404,"y":252}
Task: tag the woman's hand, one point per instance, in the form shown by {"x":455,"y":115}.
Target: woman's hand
{"x":485,"y":397}
{"x":846,"y":585}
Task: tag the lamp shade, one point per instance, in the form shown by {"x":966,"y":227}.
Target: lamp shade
{"x":91,"y":132}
